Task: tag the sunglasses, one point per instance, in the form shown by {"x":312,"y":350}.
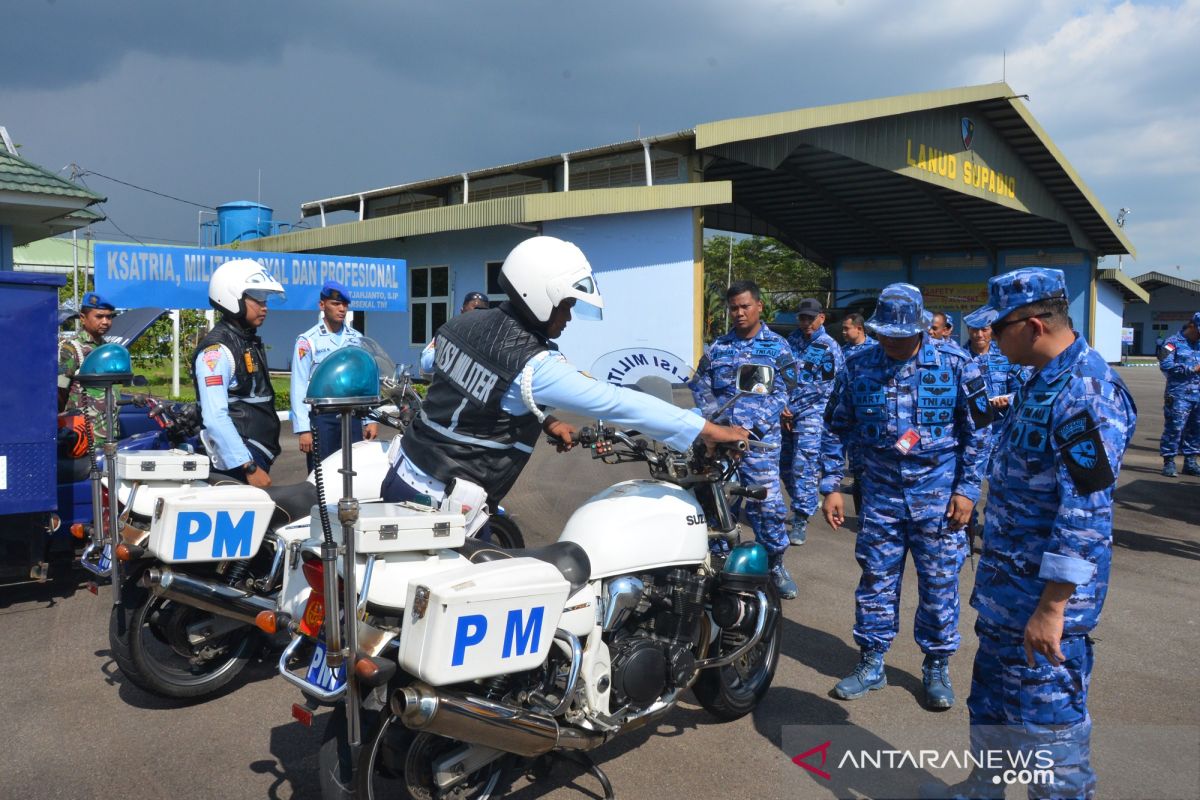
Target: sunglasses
{"x":999,"y":327}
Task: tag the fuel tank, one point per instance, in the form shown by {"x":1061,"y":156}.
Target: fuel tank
{"x":639,"y":525}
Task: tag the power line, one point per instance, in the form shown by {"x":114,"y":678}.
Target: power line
{"x":144,"y":189}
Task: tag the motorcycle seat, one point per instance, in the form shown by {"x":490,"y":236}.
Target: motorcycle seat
{"x":292,"y":502}
{"x":568,"y":558}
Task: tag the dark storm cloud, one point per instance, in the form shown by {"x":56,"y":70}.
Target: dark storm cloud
{"x":330,"y":98}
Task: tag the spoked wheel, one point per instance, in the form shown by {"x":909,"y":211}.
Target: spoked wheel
{"x":397,"y":763}
{"x":505,"y":533}
{"x":173,"y":650}
{"x":734,"y":690}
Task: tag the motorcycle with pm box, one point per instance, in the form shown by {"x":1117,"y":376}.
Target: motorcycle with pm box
{"x":454,"y":660}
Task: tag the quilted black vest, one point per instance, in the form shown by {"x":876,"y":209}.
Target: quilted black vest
{"x":462,"y":431}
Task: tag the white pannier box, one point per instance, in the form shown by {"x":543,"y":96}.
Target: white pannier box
{"x":210,"y":523}
{"x":161,"y":465}
{"x":481,"y":619}
{"x":398,"y":528}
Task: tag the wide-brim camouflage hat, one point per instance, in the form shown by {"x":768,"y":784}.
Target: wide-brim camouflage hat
{"x":1010,"y":291}
{"x":900,"y":312}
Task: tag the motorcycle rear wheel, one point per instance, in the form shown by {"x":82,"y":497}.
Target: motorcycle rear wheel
{"x":393,"y":762}
{"x":147,"y":635}
{"x":733,"y":691}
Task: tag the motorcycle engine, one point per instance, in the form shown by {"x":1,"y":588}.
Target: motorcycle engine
{"x":652,"y":650}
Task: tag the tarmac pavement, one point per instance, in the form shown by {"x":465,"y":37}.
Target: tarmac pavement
{"x":76,"y":729}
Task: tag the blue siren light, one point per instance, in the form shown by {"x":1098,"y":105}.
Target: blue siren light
{"x":347,"y":377}
{"x":107,"y":364}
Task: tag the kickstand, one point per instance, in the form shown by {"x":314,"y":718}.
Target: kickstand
{"x":584,"y":760}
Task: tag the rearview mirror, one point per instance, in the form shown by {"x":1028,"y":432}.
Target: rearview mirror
{"x":755,"y":379}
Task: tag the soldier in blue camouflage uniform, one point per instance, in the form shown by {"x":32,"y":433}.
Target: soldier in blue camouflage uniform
{"x":1002,"y":378}
{"x":854,"y":336}
{"x":1047,"y":540}
{"x":715,"y":382}
{"x":818,"y":361}
{"x":918,"y":409}
{"x":1181,"y":401}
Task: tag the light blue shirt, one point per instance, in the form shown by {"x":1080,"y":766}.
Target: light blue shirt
{"x":215,"y":376}
{"x":558,"y":385}
{"x":312,"y":347}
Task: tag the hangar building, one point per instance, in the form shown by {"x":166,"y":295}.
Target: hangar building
{"x":942,"y":189}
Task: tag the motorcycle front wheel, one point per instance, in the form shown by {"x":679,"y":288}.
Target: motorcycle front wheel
{"x":735,"y":690}
{"x":505,"y":533}
{"x":169,"y":649}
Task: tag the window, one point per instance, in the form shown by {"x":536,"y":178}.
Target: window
{"x":494,"y":292}
{"x":428,"y":302}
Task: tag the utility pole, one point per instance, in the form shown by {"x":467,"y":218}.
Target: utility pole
{"x":1121,"y":215}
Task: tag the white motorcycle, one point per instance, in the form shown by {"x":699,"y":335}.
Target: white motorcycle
{"x":468,"y":658}
{"x":202,"y":562}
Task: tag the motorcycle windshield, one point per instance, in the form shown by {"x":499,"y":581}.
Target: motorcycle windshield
{"x":387,"y":367}
{"x":646,"y":369}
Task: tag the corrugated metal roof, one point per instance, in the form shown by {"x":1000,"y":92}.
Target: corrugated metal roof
{"x":832,"y":181}
{"x":523,"y":209}
{"x":19,"y":175}
{"x":712,"y":134}
{"x":1155,"y":280}
{"x":1125,"y":284}
{"x":349,"y":202}
{"x":835,"y":204}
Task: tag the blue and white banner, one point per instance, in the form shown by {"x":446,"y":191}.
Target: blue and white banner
{"x":130,"y":276}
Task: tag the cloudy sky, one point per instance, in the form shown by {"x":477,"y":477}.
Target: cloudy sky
{"x":322,"y":98}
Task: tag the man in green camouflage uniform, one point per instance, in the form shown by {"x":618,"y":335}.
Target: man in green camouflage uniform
{"x":95,"y":318}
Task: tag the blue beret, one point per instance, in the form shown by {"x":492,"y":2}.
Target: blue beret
{"x":332,"y":290}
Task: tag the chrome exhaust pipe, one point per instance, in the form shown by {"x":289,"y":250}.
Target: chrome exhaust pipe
{"x":476,"y":720}
{"x":217,"y":598}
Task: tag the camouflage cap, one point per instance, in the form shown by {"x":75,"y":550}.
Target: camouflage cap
{"x":900,"y":312}
{"x":1020,"y":287}
{"x":1196,"y":319}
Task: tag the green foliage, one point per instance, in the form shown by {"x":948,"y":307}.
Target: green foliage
{"x":155,"y":343}
{"x":783,"y":275}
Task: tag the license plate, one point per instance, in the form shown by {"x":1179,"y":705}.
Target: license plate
{"x":105,"y":561}
{"x":319,"y":673}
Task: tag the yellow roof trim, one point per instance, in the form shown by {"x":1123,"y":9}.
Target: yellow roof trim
{"x":713,"y":134}
{"x":1127,"y":284}
{"x":523,"y":209}
{"x":1052,"y":148}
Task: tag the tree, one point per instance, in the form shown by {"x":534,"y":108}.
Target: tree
{"x":784,"y":276}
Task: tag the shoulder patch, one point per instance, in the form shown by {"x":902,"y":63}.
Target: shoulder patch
{"x":213,"y":348}
{"x":974,"y":385}
{"x":1082,"y":449}
{"x":1074,"y":427}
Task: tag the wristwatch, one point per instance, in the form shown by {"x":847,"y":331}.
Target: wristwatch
{"x":250,"y":468}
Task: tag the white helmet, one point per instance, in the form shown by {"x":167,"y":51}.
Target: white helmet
{"x":543,"y":271}
{"x":235,"y":279}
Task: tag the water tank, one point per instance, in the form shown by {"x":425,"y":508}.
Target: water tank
{"x":241,"y":220}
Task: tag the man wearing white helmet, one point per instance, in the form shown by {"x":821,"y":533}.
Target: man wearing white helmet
{"x":233,"y":387}
{"x":497,"y":369}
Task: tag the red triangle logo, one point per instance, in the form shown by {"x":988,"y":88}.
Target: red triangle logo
{"x":823,"y":749}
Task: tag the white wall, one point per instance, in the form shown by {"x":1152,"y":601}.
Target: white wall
{"x":1110,"y":304}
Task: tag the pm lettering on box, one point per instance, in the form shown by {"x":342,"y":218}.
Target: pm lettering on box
{"x":521,"y":633}
{"x":229,"y":539}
